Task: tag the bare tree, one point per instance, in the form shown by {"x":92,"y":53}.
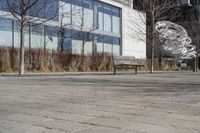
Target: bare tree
{"x":153,"y":11}
{"x":193,"y":28}
{"x":26,"y":13}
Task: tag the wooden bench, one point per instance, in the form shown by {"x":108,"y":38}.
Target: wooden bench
{"x":125,"y":61}
{"x":183,"y":65}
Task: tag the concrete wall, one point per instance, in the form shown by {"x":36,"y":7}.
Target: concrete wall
{"x":133,"y":33}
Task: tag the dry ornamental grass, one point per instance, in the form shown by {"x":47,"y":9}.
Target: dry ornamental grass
{"x":39,"y":60}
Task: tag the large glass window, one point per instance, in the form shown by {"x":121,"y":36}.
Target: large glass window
{"x":5,"y":24}
{"x":37,"y":36}
{"x":107,"y":18}
{"x":51,"y":40}
{"x":116,"y":46}
{"x":107,"y":44}
{"x":76,"y":42}
{"x":82,"y":38}
{"x":99,"y":45}
{"x":5,"y":32}
{"x":3,"y":5}
{"x":115,"y":20}
{"x":88,"y":13}
{"x":51,"y":31}
{"x":38,"y":29}
{"x":51,"y":10}
{"x":88,"y":47}
{"x":77,"y":12}
{"x":45,"y":10}
{"x":65,"y":12}
{"x":100,"y":16}
{"x":68,"y":41}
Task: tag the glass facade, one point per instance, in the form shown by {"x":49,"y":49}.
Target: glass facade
{"x":91,"y":23}
{"x":5,"y":32}
{"x":93,"y":16}
{"x":3,"y":5}
{"x":100,"y":20}
{"x":45,"y":10}
{"x":108,"y":17}
{"x":40,"y":35}
{"x":88,"y":13}
{"x":116,"y":20}
{"x":108,"y":44}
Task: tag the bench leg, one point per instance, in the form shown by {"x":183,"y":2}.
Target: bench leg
{"x":135,"y":69}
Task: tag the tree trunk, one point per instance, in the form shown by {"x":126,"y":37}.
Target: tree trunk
{"x":82,"y":55}
{"x":30,"y":51}
{"x":45,"y":41}
{"x":152,"y":41}
{"x":13,"y":46}
{"x":22,"y":33}
{"x":152,"y":56}
{"x":62,"y":39}
{"x":160,"y":59}
{"x":197,"y":58}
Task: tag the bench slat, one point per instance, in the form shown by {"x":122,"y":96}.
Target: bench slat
{"x":124,"y":60}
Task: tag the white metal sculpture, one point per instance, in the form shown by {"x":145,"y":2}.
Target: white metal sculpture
{"x":176,"y":41}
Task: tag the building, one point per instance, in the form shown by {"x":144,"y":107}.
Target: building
{"x":103,"y":26}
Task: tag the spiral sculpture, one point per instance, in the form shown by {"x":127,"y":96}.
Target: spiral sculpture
{"x":175,"y":40}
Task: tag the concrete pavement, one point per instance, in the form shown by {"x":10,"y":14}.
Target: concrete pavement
{"x":100,"y":103}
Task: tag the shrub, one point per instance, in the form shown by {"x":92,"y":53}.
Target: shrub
{"x":5,"y":60}
{"x":38,"y":60}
